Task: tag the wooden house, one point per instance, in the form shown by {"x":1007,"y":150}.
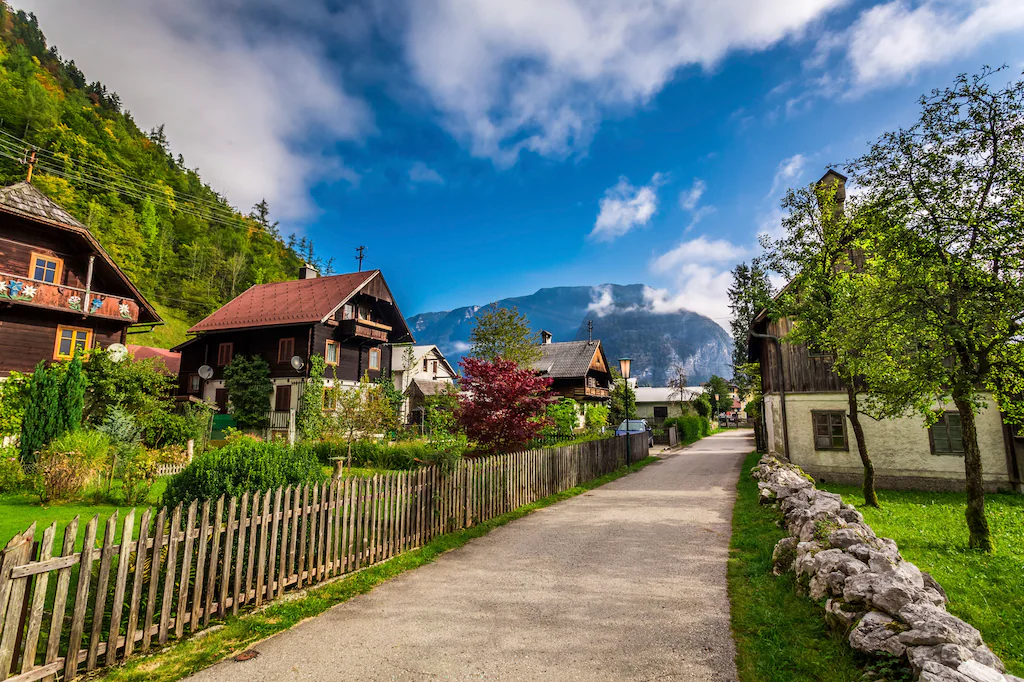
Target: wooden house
{"x":59,"y":290}
{"x":805,"y":418}
{"x":351,"y":320}
{"x":578,"y":369}
{"x":419,"y":372}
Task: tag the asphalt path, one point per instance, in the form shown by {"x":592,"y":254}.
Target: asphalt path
{"x":625,"y":582}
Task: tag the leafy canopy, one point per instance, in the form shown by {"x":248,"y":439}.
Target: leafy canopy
{"x":247,"y":379}
{"x":506,"y":334}
{"x":501,"y":405}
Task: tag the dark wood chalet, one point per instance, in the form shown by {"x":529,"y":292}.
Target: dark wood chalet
{"x":59,"y":290}
{"x":578,"y":369}
{"x":350,"y":320}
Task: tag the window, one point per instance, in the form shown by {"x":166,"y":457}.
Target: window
{"x":364,"y":313}
{"x":285,"y":349}
{"x":283,"y":398}
{"x":348,"y":311}
{"x":46,"y":268}
{"x":193,"y":383}
{"x":375,"y":358}
{"x":829,"y":430}
{"x":225,"y":352}
{"x":425,"y":361}
{"x":70,"y":339}
{"x":945,"y":435}
{"x":433,"y":367}
{"x":331,"y":353}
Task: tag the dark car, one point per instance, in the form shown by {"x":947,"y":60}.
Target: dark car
{"x":636,"y":426}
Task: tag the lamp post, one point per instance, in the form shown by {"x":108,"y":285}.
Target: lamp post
{"x":624,"y":370}
{"x":716,"y":407}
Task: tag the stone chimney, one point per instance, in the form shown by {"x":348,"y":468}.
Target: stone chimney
{"x":545,"y":337}
{"x":307,"y":271}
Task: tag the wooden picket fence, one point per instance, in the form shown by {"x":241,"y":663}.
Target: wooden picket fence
{"x":168,"y":580}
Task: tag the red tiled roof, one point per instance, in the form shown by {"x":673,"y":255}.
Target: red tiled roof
{"x":298,"y":301}
{"x":170,"y":358}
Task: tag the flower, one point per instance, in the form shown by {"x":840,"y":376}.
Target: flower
{"x":29,"y":291}
{"x":16,"y":288}
{"x":75,"y":302}
{"x":125,"y":310}
{"x":3,"y":287}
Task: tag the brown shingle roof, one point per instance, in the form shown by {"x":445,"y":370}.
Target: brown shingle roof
{"x":298,"y":301}
{"x":28,"y":201}
{"x":566,"y":360}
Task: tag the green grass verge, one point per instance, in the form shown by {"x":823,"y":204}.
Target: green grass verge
{"x":190,"y":655}
{"x":986,"y":590}
{"x":167,"y":335}
{"x":780,"y":636}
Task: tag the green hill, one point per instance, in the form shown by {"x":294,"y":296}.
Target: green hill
{"x":184,"y":246}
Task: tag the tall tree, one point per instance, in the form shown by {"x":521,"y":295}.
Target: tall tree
{"x":502,"y":405}
{"x":677,"y":381}
{"x":952,"y":265}
{"x":503,"y":333}
{"x":247,"y":378}
{"x":749,"y":294}
{"x":717,"y":386}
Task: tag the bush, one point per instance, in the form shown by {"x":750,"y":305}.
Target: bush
{"x":244,"y":464}
{"x":596,"y":417}
{"x":136,"y":467}
{"x":563,"y":416}
{"x":166,"y":428}
{"x":64,"y":467}
{"x":12,"y":476}
{"x":692,"y":428}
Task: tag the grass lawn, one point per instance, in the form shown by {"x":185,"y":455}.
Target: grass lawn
{"x":167,"y":335}
{"x":780,"y":637}
{"x":986,"y":590}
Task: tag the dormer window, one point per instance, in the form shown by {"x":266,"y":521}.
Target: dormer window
{"x":46,"y":268}
{"x":348,"y":311}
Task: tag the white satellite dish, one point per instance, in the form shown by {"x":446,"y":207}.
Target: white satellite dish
{"x":117,"y":352}
{"x":297,"y":363}
{"x":206,"y":372}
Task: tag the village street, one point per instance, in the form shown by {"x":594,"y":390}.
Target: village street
{"x":626,"y":582}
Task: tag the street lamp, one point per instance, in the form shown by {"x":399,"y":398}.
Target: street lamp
{"x":716,"y":406}
{"x":624,"y":370}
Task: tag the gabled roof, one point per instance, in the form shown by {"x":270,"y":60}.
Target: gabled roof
{"x":300,"y":301}
{"x":567,"y":359}
{"x":428,"y":387}
{"x":665,"y":394}
{"x":168,"y":358}
{"x":418,"y":352}
{"x":25,"y":201}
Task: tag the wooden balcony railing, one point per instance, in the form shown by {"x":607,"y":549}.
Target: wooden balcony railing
{"x":592,"y":392}
{"x":366,"y":329}
{"x":28,"y":291}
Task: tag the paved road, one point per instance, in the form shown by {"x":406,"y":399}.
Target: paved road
{"x":626,"y":582}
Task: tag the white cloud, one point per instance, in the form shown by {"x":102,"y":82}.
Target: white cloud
{"x":699,"y":250}
{"x":624,"y":207}
{"x":238,"y":106}
{"x":601,"y":300}
{"x":890,"y":42}
{"x":420,"y":173}
{"x":538,"y":75}
{"x":690,"y":197}
{"x":788,"y":170}
{"x":700,"y":270}
{"x":459,"y":347}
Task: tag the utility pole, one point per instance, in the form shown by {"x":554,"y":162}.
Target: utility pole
{"x":360,"y":255}
{"x":31,"y":164}
{"x":590,"y":331}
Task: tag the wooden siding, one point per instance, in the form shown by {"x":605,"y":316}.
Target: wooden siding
{"x":28,"y":335}
{"x":353,"y":354}
{"x":262,"y":342}
{"x":803,"y":373}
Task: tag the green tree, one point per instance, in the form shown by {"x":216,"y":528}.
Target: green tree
{"x":247,"y":379}
{"x":504,"y":333}
{"x":72,"y":397}
{"x":749,"y":294}
{"x":622,"y":399}
{"x":596,"y":417}
{"x":362,"y":411}
{"x":310,"y":421}
{"x":716,"y":385}
{"x":678,"y":381}
{"x":41,"y":422}
{"x":15,"y":393}
{"x":564,"y":416}
{"x":950,"y":267}
{"x":394,"y":397}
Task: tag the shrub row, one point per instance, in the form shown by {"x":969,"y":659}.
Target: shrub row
{"x":690,"y":427}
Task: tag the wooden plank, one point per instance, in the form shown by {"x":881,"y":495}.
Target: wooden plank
{"x":353,"y":561}
{"x":186,"y":570}
{"x":275,"y":526}
{"x":360,"y":522}
{"x":311,"y":548}
{"x":243,"y":524}
{"x":140,"y":570}
{"x":197,"y":589}
{"x":322,"y":534}
{"x":261,"y":565}
{"x":120,"y":585}
{"x":375,"y":520}
{"x":339,"y":524}
{"x":230,"y":528}
{"x":343,"y":532}
{"x":170,"y":569}
{"x":331,"y":506}
{"x":293,"y":535}
{"x":60,"y":600}
{"x":154,"y":577}
{"x":100,"y":606}
{"x":47,"y":670}
{"x":251,"y":548}
{"x":211,"y":580}
{"x":303,"y":523}
{"x":81,"y":598}
{"x":35,"y":616}
{"x":282,"y":559}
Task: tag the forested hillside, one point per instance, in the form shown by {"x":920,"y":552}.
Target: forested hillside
{"x":181,"y":242}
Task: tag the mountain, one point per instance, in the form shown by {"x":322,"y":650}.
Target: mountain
{"x":623,"y":320}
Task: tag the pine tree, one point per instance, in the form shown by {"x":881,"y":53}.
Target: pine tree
{"x":72,"y":397}
{"x":42,"y":422}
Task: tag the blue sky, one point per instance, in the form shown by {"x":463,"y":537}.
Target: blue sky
{"x":482,"y":149}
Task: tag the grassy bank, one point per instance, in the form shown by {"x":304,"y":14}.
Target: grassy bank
{"x":780,"y":637}
{"x":188,"y":656}
{"x":986,"y":590}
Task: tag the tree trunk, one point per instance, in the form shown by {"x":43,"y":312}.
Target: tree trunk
{"x":870,"y":498}
{"x":977,"y":524}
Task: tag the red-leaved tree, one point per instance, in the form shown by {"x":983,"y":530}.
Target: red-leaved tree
{"x":501,"y":406}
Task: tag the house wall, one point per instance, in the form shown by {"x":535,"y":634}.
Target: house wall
{"x":28,"y":335}
{"x":646,"y":410}
{"x":19,"y":238}
{"x":899,"y":448}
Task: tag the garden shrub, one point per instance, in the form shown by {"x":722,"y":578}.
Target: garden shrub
{"x":136,"y":467}
{"x":166,"y":428}
{"x":12,"y":476}
{"x":243,"y":464}
{"x":563,"y":416}
{"x":67,"y":464}
{"x":596,"y":417}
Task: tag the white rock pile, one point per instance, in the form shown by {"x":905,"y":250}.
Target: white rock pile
{"x":887,"y":605}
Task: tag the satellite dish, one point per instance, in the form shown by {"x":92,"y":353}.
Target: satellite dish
{"x":297,"y":363}
{"x":206,"y":372}
{"x":117,"y":352}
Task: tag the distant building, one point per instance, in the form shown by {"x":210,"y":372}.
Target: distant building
{"x":429,"y":374}
{"x":656,"y":404}
{"x":59,"y":289}
{"x":578,"y":369}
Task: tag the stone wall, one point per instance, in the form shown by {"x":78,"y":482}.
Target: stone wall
{"x":887,"y":605}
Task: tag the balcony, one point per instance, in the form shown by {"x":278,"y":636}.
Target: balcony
{"x":29,"y":292}
{"x":591,"y":392}
{"x":365,"y":329}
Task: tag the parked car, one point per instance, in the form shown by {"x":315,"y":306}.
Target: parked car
{"x":636,"y":426}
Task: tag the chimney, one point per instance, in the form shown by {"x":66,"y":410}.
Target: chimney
{"x":307,"y":271}
{"x":545,"y":337}
{"x":835,"y":179}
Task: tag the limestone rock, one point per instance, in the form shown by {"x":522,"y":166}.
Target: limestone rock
{"x":877,"y":632}
{"x":932,"y":583}
{"x":985,"y":656}
{"x":849,"y":536}
{"x":932,"y":625}
{"x":784,"y":555}
{"x":841,"y":616}
{"x":979,"y":673}
{"x":936,"y":672}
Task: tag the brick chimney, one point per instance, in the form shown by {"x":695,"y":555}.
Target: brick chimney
{"x":545,"y":337}
{"x":307,"y":271}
